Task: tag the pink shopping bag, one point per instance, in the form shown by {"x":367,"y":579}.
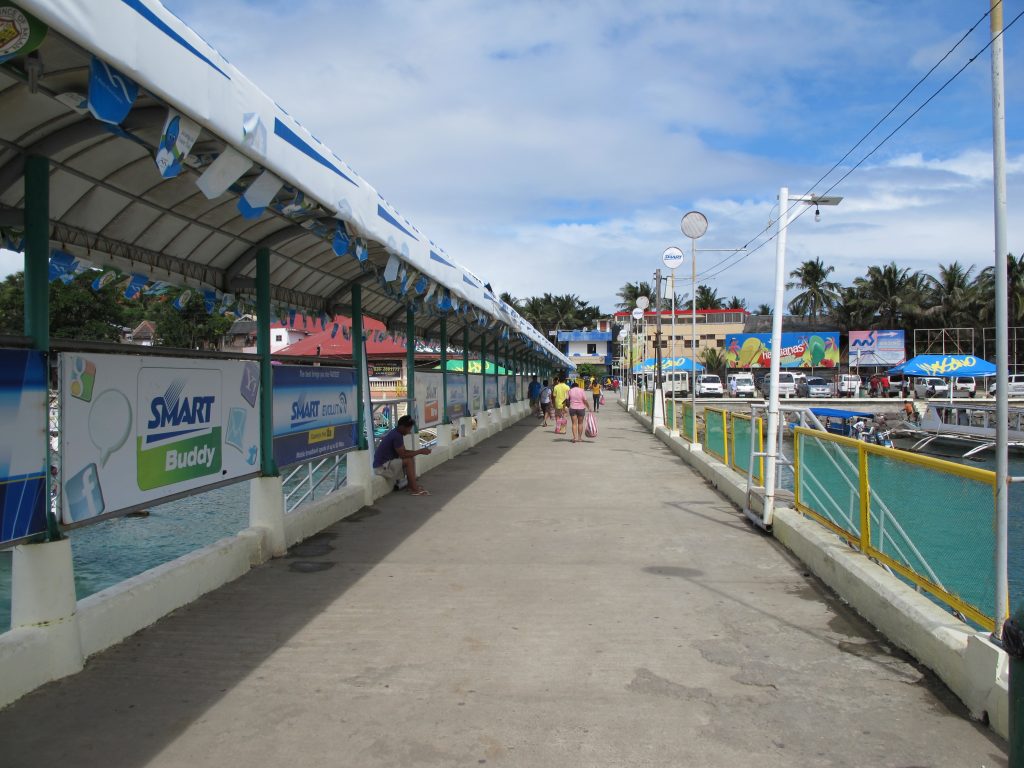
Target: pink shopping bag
{"x":591,"y":428}
{"x":560,"y":425}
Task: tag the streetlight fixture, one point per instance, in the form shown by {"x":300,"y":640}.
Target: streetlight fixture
{"x":772,"y":452}
{"x":694,"y":224}
{"x":672,"y":258}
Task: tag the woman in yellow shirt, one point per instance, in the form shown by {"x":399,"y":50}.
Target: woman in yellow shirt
{"x":595,"y":389}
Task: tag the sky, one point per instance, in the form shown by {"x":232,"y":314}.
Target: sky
{"x":553,"y":146}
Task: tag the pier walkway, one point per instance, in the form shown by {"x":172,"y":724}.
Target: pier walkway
{"x":549,"y":605}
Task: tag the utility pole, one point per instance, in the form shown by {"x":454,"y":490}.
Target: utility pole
{"x":657,"y":330}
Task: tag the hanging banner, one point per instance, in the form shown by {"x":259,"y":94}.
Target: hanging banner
{"x":315,"y":412}
{"x":176,"y":140}
{"x":490,"y":392}
{"x":476,"y":393}
{"x":20,"y":32}
{"x":429,"y":412}
{"x":877,"y":348}
{"x":458,"y":397}
{"x":136,"y":429}
{"x":111,"y":94}
{"x":23,"y":473}
{"x":799,"y":350}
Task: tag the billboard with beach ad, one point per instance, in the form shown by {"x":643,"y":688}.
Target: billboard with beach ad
{"x":23,"y":469}
{"x":136,"y":430}
{"x":429,"y":411}
{"x":819,"y":349}
{"x":314,"y":412}
{"x":458,"y":397}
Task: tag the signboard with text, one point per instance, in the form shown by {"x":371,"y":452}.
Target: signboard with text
{"x":490,"y":392}
{"x":819,"y":349}
{"x":137,"y":429}
{"x":315,"y":412}
{"x":877,"y":348}
{"x":23,"y":472}
{"x":458,"y":397}
{"x":476,"y":393}
{"x":429,"y":409}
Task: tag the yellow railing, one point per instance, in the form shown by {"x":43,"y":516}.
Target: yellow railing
{"x":740,"y":435}
{"x":930,"y":521}
{"x":716,"y":433}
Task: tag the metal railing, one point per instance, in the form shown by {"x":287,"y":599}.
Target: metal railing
{"x":928,"y":520}
{"x":716,"y":433}
{"x":746,"y":444}
{"x":303,"y":481}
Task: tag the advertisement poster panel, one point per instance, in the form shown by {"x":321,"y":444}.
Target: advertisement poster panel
{"x":877,"y":348}
{"x":458,"y":398}
{"x":23,"y":494}
{"x":490,"y":392}
{"x":819,"y":349}
{"x":476,"y":393}
{"x":429,"y":412}
{"x":314,"y":412}
{"x":511,"y":396}
{"x":137,"y":429}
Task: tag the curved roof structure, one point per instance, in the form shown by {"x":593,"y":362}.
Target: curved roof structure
{"x":165,"y":159}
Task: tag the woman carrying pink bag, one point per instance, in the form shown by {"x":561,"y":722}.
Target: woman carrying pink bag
{"x":578,"y":408}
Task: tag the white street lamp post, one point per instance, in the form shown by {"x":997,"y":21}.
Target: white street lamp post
{"x":693,"y":225}
{"x":772,"y":438}
{"x":673,"y":257}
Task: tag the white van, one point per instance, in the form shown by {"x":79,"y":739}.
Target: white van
{"x":709,"y":385}
{"x":1016,"y":386}
{"x":740,"y":385}
{"x":677,"y":383}
{"x":787,"y":385}
{"x":847,"y":385}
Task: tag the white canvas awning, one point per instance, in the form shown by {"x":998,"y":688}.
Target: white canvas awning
{"x":166,"y":159}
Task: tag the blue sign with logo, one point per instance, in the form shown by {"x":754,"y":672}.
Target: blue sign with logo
{"x":111,"y":94}
{"x":23,"y":494}
{"x":315,"y":412}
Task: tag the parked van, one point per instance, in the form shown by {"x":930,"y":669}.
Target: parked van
{"x":709,"y":385}
{"x":847,"y":385}
{"x":931,"y":386}
{"x":677,"y":383}
{"x":1016,"y":386}
{"x":965,"y":385}
{"x":787,"y":385}
{"x":740,"y":384}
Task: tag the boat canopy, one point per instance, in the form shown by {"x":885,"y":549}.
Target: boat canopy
{"x":672,"y":364}
{"x":169,"y":165}
{"x":945,"y":366}
{"x":840,"y":413}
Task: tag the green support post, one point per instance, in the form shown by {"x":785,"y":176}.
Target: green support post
{"x":444,"y":369}
{"x":410,"y":361}
{"x":357,"y":358}
{"x":37,"y":267}
{"x":483,"y":369}
{"x":465,"y":366}
{"x":268,"y":467}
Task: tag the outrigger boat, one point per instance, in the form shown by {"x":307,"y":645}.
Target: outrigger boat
{"x":855,"y":424}
{"x":962,"y":423}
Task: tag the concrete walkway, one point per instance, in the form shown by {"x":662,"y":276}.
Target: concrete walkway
{"x":549,"y":605}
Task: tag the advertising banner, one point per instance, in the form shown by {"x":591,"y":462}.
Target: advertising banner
{"x":23,"y":472}
{"x":429,"y":412}
{"x":136,"y":429}
{"x":877,"y":348}
{"x":476,"y":393}
{"x":458,"y":397}
{"x":490,"y":392}
{"x":511,"y":396}
{"x":799,"y":350}
{"x":315,"y":412}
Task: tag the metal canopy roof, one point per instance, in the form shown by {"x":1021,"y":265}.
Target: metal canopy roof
{"x":326,"y":228}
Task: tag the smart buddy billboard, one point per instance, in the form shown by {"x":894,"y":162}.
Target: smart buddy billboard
{"x":136,"y":430}
{"x":23,"y":471}
{"x":799,"y":350}
{"x":315,"y":412}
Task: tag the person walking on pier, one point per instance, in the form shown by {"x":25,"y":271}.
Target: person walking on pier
{"x":561,"y":394}
{"x":595,"y":389}
{"x":546,"y":406}
{"x":578,"y":407}
{"x":533,"y":392}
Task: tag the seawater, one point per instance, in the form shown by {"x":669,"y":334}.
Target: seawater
{"x":114,"y":550}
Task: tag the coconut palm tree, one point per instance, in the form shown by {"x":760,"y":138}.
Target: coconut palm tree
{"x":630,"y":292}
{"x":1015,"y":291}
{"x":708,"y":298}
{"x":891,"y":295}
{"x":736,"y":303}
{"x":714,"y":360}
{"x":952,"y":296}
{"x":849,"y":312}
{"x":818,"y":294}
{"x":763,"y":309}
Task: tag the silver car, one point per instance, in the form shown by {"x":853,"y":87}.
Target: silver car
{"x":815,"y":386}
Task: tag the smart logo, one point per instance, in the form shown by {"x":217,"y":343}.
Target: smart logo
{"x":305,"y":412}
{"x":179,"y":429}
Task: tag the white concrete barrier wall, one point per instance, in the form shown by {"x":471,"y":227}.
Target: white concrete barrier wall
{"x":965,"y":660}
{"x":57,"y":634}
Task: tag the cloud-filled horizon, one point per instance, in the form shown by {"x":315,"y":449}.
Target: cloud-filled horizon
{"x":554,"y":146}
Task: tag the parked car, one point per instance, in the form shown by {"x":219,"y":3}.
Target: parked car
{"x":740,"y":385}
{"x":1016,"y":386}
{"x":897,"y":382}
{"x":814,"y":386}
{"x":964,"y":385}
{"x":709,"y":385}
{"x":931,"y":386}
{"x":787,"y":385}
{"x":847,"y":385}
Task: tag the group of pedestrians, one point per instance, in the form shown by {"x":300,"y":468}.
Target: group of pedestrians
{"x":567,"y":402}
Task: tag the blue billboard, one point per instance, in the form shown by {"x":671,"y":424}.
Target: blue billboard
{"x":815,"y":349}
{"x":23,"y":472}
{"x":315,"y":412}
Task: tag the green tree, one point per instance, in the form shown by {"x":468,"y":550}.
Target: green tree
{"x":818,"y":294}
{"x":952,"y":297}
{"x":891,"y":295}
{"x":708,"y":298}
{"x":714,"y":360}
{"x":1015,"y":291}
{"x":736,"y":303}
{"x":76,"y":311}
{"x":630,"y":292}
{"x":763,"y":309}
{"x":191,"y":328}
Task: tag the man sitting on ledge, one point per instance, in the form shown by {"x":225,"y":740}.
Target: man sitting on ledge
{"x":395,"y":462}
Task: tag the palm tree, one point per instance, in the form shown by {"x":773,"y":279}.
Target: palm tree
{"x":534,"y":311}
{"x":630,"y":292}
{"x":891,"y":295}
{"x":708,"y":298}
{"x":512,"y":301}
{"x":1015,"y":291}
{"x":952,"y":296}
{"x":763,"y":309}
{"x":818,"y":294}
{"x":736,"y":303}
{"x":713,"y":359}
{"x":849,"y":311}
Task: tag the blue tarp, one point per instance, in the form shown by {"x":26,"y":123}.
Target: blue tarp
{"x":945,"y":366}
{"x":667,"y":364}
{"x":838,"y":413}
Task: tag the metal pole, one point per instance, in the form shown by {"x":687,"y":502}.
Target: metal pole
{"x":657,"y":331}
{"x":672,"y":346}
{"x":268,"y":467}
{"x":483,"y":371}
{"x":357,"y":360}
{"x":693,"y":343}
{"x":465,"y":366}
{"x":1002,"y":317}
{"x":444,"y":369}
{"x":772,"y":447}
{"x":410,"y":362}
